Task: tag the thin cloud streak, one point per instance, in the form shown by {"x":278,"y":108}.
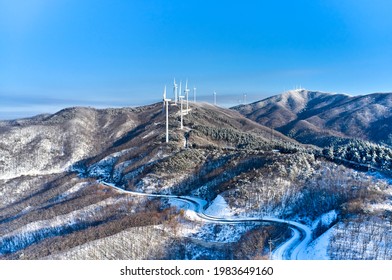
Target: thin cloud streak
{"x":22,"y":106}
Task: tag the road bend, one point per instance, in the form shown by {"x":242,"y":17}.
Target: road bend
{"x":288,"y":250}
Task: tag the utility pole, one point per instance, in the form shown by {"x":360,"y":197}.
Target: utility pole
{"x":270,"y":248}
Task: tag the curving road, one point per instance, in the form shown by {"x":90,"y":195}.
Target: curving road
{"x":289,"y":250}
{"x":292,"y":248}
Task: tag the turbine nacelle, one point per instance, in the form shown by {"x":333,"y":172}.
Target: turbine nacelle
{"x":164,"y":96}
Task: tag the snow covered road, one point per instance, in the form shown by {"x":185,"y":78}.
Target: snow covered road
{"x":291,"y":249}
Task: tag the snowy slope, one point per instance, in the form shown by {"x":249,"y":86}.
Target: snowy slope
{"x":219,"y":208}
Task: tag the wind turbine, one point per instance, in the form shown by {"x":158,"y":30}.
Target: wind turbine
{"x":186,"y":90}
{"x":214,"y":97}
{"x":181,"y":112}
{"x":194,"y":94}
{"x":166,"y":103}
{"x":179,"y":92}
{"x":175,"y":87}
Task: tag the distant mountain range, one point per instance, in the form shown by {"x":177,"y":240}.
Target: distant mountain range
{"x":321,"y":118}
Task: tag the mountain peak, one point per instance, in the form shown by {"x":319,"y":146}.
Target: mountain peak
{"x":297,"y":99}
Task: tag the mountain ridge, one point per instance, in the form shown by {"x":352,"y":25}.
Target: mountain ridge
{"x":309,"y":115}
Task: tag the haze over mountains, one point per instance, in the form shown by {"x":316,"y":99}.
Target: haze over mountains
{"x":57,"y":171}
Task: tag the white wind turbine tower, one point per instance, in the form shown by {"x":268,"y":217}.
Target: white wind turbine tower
{"x":194,"y":94}
{"x":214,"y":97}
{"x":175,"y":88}
{"x":181,"y":112}
{"x":179,"y":91}
{"x":186,"y":90}
{"x":166,"y":103}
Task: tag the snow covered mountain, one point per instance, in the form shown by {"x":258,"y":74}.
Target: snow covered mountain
{"x":320,"y":118}
{"x":52,"y":143}
{"x":67,"y":179}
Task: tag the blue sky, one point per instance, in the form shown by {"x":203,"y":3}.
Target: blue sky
{"x":55,"y":54}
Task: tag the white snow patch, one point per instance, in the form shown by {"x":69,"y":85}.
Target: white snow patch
{"x":75,"y":188}
{"x":148,"y":134}
{"x":381,"y":206}
{"x":192,"y":215}
{"x":219,"y":208}
{"x":317,"y":249}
